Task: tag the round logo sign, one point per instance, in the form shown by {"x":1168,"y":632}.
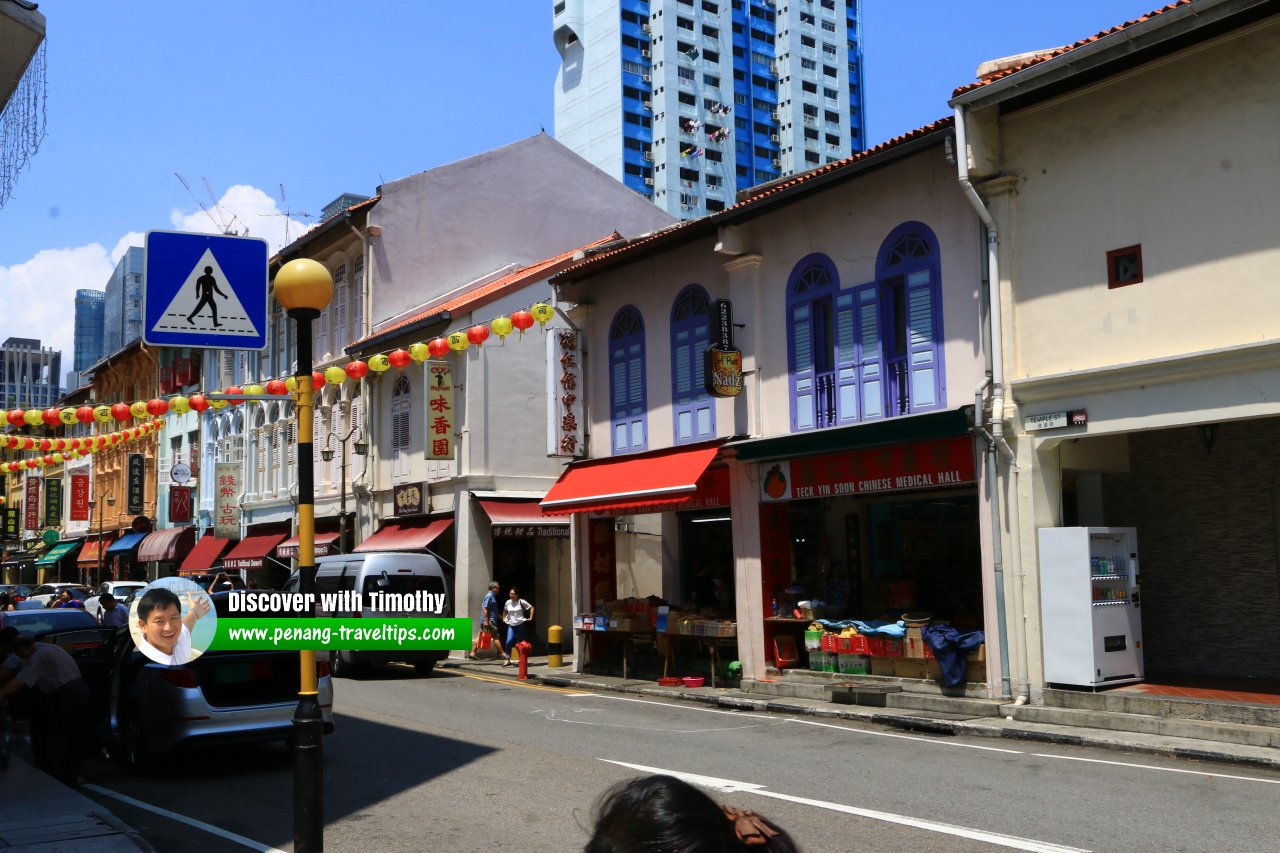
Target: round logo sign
{"x":49,"y":537}
{"x":180,"y":473}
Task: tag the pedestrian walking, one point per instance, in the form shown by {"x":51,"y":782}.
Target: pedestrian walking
{"x":111,"y":613}
{"x":517,"y":614}
{"x":664,"y":813}
{"x":60,"y":710}
{"x":489,"y":622}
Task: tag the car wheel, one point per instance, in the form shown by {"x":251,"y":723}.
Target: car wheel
{"x":342,"y":665}
{"x":424,"y":668}
{"x":136,"y":756}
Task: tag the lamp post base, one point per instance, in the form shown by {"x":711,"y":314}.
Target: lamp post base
{"x":308,"y":783}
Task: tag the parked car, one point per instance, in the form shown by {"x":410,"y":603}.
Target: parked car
{"x":220,"y":697}
{"x":78,"y":633}
{"x":223,"y":578}
{"x":46,"y":592}
{"x":16,"y":591}
{"x":122,"y":590}
{"x":381,"y":572}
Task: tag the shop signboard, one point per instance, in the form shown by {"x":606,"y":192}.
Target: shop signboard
{"x":32,"y":504}
{"x":226,"y":512}
{"x":1056,"y":420}
{"x":893,"y":468}
{"x":80,"y":497}
{"x":564,"y":394}
{"x":179,"y":504}
{"x":409,"y":499}
{"x":441,"y":418}
{"x":53,"y":502}
{"x":530,"y":531}
{"x":723,"y":368}
{"x":137,"y":486}
{"x":11,"y":528}
{"x":603,"y":569}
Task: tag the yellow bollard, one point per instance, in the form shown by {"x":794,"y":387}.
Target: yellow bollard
{"x":554,"y":657}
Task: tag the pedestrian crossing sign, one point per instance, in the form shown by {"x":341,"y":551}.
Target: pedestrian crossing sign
{"x":204,"y":290}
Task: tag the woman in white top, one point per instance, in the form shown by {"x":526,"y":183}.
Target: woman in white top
{"x":516,"y":612}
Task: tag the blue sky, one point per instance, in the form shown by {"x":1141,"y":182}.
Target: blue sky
{"x":327,"y":97}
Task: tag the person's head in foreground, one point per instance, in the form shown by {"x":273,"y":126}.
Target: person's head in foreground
{"x":160,"y":618}
{"x":661,"y":814}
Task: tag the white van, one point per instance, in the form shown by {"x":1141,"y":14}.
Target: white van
{"x":381,"y":572}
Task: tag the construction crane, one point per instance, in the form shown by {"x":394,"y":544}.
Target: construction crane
{"x":221,"y":222}
{"x":287,"y":214}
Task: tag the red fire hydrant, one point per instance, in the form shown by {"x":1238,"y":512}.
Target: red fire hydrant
{"x":524,"y":647}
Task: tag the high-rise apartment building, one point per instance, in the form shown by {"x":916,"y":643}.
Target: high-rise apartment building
{"x":90,"y":305}
{"x":122,"y":307}
{"x":690,"y":101}
{"x":29,"y":374}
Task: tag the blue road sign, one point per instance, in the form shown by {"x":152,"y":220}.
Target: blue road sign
{"x":205,"y":290}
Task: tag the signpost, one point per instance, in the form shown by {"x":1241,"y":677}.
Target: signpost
{"x":205,"y":290}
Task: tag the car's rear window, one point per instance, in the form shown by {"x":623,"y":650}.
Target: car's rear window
{"x":36,"y":621}
{"x":405,"y":583}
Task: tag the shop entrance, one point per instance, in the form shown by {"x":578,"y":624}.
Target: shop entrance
{"x":515,"y":565}
{"x":706,"y":564}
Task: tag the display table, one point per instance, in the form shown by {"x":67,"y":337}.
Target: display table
{"x":666,"y":644}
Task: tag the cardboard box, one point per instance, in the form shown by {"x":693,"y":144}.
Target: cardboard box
{"x":822,"y":661}
{"x":877,"y":647}
{"x":892,"y":647}
{"x":914,"y":645}
{"x":855,"y":645}
{"x":853,"y":664}
{"x":932,"y":670}
{"x":909,"y":667}
{"x":882,"y":666}
{"x":979,"y":655}
{"x":828,"y":643}
{"x":977,"y":671}
{"x":813,"y":640}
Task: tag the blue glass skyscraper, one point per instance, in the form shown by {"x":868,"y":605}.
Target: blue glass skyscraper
{"x":122,"y":309}
{"x":690,"y":101}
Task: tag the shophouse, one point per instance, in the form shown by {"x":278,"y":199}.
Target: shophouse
{"x":780,"y":401}
{"x":1130,"y":180}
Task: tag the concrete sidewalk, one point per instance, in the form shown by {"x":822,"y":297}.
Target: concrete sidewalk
{"x":937,"y":722}
{"x":38,"y":814}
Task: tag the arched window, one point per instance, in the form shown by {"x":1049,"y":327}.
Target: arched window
{"x":628,"y":405}
{"x":400,"y":414}
{"x":811,"y":344}
{"x":694,"y":409}
{"x":910,"y":309}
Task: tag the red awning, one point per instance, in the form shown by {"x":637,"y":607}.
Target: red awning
{"x":288,"y":549}
{"x":405,"y":535}
{"x":252,"y":551}
{"x":204,"y":555}
{"x":89,"y":553}
{"x":650,"y":482}
{"x":172,"y":543}
{"x":518,"y":512}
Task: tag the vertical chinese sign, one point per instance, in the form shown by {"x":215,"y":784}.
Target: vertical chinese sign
{"x":31,"y":503}
{"x":564,"y":394}
{"x":11,"y":527}
{"x":226,"y":508}
{"x":53,"y":502}
{"x":441,"y":418}
{"x":602,"y":574}
{"x":80,"y":497}
{"x":180,"y":504}
{"x":137,"y":486}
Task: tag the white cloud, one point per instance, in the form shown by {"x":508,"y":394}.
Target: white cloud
{"x":39,"y":294}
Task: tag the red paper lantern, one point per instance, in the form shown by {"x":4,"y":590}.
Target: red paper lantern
{"x":234,"y":389}
{"x":120,"y":412}
{"x":157,"y":407}
{"x":48,"y":459}
{"x":478,"y":335}
{"x":102,"y":441}
{"x":276,"y":387}
{"x":52,"y":417}
{"x":198,"y":403}
{"x":317,"y":380}
{"x":84,"y":414}
{"x":46,"y":445}
{"x":357,"y":370}
{"x":522,"y":320}
{"x":59,"y":444}
{"x":12,"y":441}
{"x":31,"y":463}
{"x":16,"y":417}
{"x":28,"y":443}
{"x":438,"y":347}
{"x":399,"y":358}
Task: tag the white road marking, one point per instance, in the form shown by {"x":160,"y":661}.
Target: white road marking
{"x":906,"y":737}
{"x":1209,"y":773}
{"x":730,"y":786}
{"x":189,"y":821}
{"x":683,"y":707}
{"x":552,"y":715}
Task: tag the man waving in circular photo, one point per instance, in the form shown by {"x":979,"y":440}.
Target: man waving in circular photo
{"x":163,"y":631}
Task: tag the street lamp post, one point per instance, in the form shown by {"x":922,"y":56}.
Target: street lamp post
{"x":303,"y":288}
{"x":327,"y":455}
{"x":95,"y":501}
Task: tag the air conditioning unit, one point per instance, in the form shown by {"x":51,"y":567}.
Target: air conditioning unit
{"x":773,"y":114}
{"x":648,"y":105}
{"x":646,"y":78}
{"x":777,"y":163}
{"x":773,"y":137}
{"x":645,"y":54}
{"x":648,"y":155}
{"x":648,"y":182}
{"x":644,"y":28}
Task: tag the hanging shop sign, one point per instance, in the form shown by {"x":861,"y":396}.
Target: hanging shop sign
{"x":564,"y":394}
{"x":530,"y":531}
{"x":179,"y":505}
{"x":137,"y":486}
{"x":602,"y":552}
{"x":79,"y":497}
{"x":894,"y":468}
{"x":722,"y":371}
{"x":32,"y":504}
{"x":409,"y":499}
{"x":11,"y":528}
{"x":53,"y":502}
{"x":226,"y":507}
{"x":1056,"y":420}
{"x":441,"y":418}
{"x":180,"y":473}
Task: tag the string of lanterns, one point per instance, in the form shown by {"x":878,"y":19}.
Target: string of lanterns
{"x":454,"y":342}
{"x":58,"y":450}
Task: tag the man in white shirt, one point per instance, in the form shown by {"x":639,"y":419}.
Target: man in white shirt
{"x":60,"y":707}
{"x":166,"y":633}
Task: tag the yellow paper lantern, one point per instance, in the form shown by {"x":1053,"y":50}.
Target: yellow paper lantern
{"x":379,"y":364}
{"x":74,"y":454}
{"x":102,"y":414}
{"x":458,"y":341}
{"x":543,"y":313}
{"x":291,"y":384}
{"x":33,"y":417}
{"x":139,"y":409}
{"x":179,"y":405}
{"x":57,"y":459}
{"x":335,"y":375}
{"x":419,"y":352}
{"x":501,"y":327}
{"x":254,"y":389}
{"x":67,"y":416}
{"x":217,"y":404}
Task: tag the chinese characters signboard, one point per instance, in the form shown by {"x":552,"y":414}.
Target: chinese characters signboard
{"x":79,"y":497}
{"x":31,"y":504}
{"x":11,"y":530}
{"x":137,"y":489}
{"x":531,"y":531}
{"x":564,"y":394}
{"x":180,"y":504}
{"x":895,"y":468}
{"x":53,"y":502}
{"x":602,"y":552}
{"x":441,"y":419}
{"x":407,"y":499}
{"x":226,"y":512}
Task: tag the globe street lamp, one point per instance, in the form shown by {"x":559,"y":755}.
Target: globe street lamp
{"x":327,"y":455}
{"x":303,"y":288}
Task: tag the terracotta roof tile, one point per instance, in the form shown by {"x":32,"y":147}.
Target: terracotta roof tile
{"x":1050,"y":54}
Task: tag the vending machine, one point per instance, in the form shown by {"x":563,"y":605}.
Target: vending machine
{"x":1089,"y":605}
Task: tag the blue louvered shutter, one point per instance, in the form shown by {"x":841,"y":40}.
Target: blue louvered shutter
{"x":694,"y":416}
{"x":635,"y":417}
{"x":846,"y":359}
{"x":870,"y":354}
{"x":804,"y":397}
{"x":922,"y":343}
{"x":618,"y":396}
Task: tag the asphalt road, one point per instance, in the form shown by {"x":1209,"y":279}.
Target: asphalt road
{"x":460,"y":763}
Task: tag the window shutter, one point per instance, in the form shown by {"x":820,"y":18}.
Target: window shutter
{"x":923,"y":341}
{"x":357,"y":299}
{"x":400,"y":439}
{"x":635,"y":396}
{"x":846,"y":359}
{"x":870,"y":357}
{"x":802,"y":373}
{"x":340,"y":334}
{"x":290,"y":440}
{"x":322,"y":334}
{"x":683,"y":391}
